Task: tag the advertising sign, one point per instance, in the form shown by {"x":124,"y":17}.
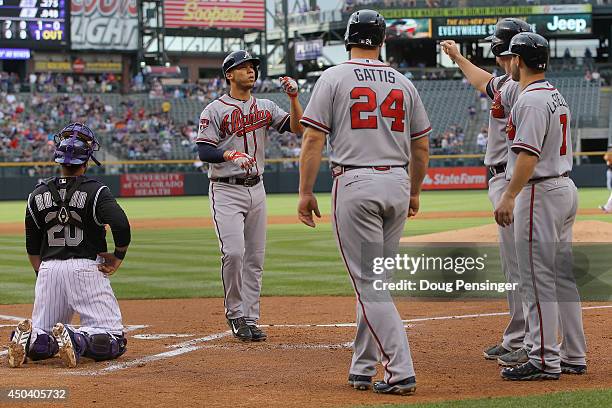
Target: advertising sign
{"x":455,"y":178}
{"x":548,"y":25}
{"x":308,"y":50}
{"x":104,"y":25}
{"x":153,"y":184}
{"x":242,"y":14}
{"x":406,"y":28}
{"x":486,"y":11}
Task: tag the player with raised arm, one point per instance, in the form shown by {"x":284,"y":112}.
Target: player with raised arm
{"x":232,"y":137}
{"x":503,"y":91}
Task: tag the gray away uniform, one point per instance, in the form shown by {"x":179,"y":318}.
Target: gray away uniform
{"x":239,"y":212}
{"x":371,"y":113}
{"x":504,"y":91}
{"x":544,"y":215}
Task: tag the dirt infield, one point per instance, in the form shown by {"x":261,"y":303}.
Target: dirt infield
{"x":298,"y":366}
{"x":584,"y":231}
{"x":206,"y":222}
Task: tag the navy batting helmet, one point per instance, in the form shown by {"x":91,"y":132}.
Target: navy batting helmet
{"x":75,"y":144}
{"x":505,"y":29}
{"x":365,"y":28}
{"x":532,"y":48}
{"x":236,"y":58}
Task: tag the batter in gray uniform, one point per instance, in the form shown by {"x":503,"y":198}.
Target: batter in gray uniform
{"x":543,"y":201}
{"x":231,"y":137}
{"x":377,"y":129}
{"x":503,"y":91}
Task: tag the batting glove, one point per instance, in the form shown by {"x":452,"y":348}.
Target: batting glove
{"x":289,"y":85}
{"x":242,"y":160}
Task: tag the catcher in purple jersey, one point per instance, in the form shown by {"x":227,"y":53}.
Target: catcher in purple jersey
{"x":231,"y":137}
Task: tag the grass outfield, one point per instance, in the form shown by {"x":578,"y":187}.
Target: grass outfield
{"x":184,"y":263}
{"x":575,"y":399}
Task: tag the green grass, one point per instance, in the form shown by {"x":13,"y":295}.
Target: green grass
{"x":575,"y":399}
{"x":184,"y":263}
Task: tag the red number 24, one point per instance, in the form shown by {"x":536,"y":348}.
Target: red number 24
{"x":392,"y":107}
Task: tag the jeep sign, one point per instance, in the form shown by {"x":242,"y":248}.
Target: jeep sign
{"x":577,"y":25}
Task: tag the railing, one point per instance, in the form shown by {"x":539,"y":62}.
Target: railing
{"x":139,"y":166}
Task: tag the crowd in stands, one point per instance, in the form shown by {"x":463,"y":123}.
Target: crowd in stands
{"x":26,"y":130}
{"x":448,"y":142}
{"x":59,"y":83}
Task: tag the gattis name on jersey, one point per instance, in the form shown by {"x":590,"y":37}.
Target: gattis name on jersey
{"x":374,"y":75}
{"x":240,"y":124}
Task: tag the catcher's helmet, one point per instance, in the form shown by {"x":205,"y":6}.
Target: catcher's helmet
{"x":365,"y":28}
{"x":505,"y":29}
{"x":532,"y":48}
{"x":75,"y":144}
{"x":236,"y":58}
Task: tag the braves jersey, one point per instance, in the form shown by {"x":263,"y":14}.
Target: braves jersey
{"x":540,"y":123}
{"x":232,"y":124}
{"x":503,"y":91}
{"x":91,"y":206}
{"x":370,"y":111}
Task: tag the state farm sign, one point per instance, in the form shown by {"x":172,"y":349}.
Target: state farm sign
{"x":104,"y":24}
{"x":455,"y":178}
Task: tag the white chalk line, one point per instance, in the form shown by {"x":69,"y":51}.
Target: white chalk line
{"x":160,"y":336}
{"x":189,"y":346}
{"x":268,"y":346}
{"x":160,"y":356}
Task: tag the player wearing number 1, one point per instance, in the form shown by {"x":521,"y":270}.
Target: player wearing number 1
{"x":377,"y":129}
{"x":65,"y":240}
{"x":542,"y":201}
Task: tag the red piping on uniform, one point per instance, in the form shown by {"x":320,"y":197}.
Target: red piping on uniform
{"x":541,"y":89}
{"x":314,"y":122}
{"x":209,"y":141}
{"x":284,"y":121}
{"x":212,"y":200}
{"x":230,"y":104}
{"x":525,"y":145}
{"x":421,"y":132}
{"x":255,"y":153}
{"x":535,"y":289}
{"x":366,"y":65}
{"x":355,"y":284}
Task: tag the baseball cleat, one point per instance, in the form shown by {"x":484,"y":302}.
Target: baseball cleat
{"x":257,"y":334}
{"x":578,"y":369}
{"x":360,"y":382}
{"x":66,"y":348}
{"x":404,"y":387}
{"x":494,"y":352}
{"x":240,"y":329}
{"x":514,"y":358}
{"x":19,"y":341}
{"x":603,"y":208}
{"x":527,"y":372}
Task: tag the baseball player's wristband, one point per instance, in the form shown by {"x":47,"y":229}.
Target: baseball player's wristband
{"x":119,"y":254}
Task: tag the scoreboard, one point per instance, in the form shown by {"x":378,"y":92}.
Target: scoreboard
{"x":34,"y":24}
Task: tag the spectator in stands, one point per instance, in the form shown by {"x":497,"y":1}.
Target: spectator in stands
{"x":472,"y":112}
{"x":588,"y":59}
{"x":481,"y":140}
{"x":567,"y":59}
